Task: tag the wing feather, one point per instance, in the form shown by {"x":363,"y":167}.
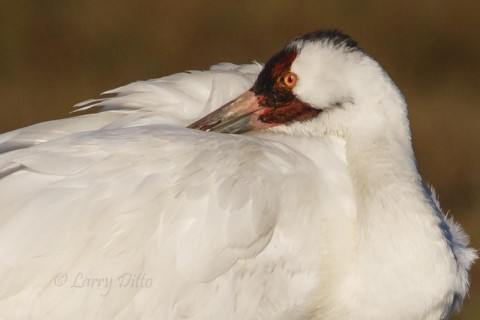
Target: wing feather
{"x":90,"y":209}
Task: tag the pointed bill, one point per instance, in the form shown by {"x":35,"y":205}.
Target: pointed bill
{"x":238,"y":116}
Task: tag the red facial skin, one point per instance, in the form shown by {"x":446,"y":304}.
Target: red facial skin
{"x":270,"y":102}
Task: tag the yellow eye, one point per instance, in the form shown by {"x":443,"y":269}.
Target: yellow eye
{"x":290,"y":79}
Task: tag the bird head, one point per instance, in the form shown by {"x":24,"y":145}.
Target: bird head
{"x":319,"y":75}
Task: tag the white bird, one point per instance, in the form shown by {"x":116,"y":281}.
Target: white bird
{"x":127,"y":214}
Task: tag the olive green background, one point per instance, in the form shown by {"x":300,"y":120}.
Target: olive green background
{"x":54,"y":54}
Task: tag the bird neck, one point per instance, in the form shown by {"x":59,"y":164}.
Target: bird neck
{"x":388,"y":190}
{"x":382,"y":167}
{"x":380,"y":154}
{"x":397,"y":227}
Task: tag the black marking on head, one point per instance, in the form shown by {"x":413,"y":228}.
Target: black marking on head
{"x":267,"y":84}
{"x":334,"y":37}
{"x":271,"y":92}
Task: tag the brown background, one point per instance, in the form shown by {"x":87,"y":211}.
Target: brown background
{"x":54,"y":54}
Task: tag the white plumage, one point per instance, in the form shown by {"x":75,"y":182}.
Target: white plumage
{"x":126,"y":214}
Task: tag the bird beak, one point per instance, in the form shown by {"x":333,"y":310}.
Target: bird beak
{"x":237,"y":116}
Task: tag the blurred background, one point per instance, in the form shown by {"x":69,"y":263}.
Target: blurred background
{"x":54,"y":54}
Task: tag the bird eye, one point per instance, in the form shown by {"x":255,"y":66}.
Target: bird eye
{"x":290,"y":79}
